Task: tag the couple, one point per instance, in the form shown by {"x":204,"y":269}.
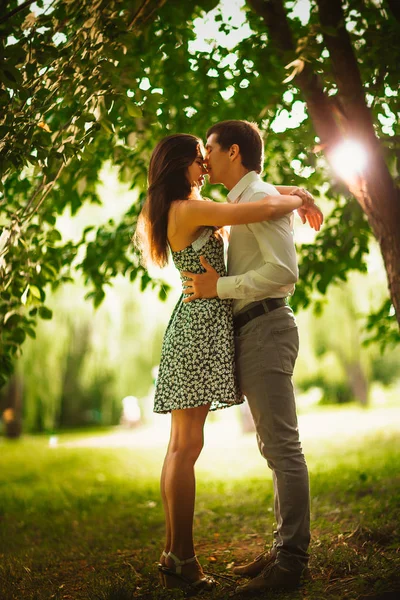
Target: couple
{"x":198,"y":371}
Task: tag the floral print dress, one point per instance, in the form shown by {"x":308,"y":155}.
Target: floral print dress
{"x":197,"y":359}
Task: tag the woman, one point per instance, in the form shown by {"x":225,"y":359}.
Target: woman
{"x":197,"y":371}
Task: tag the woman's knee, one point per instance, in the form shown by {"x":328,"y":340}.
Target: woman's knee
{"x":187,"y":432}
{"x":186,"y":442}
{"x":186,"y":447}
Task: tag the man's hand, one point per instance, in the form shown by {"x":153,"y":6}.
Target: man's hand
{"x":201,"y":285}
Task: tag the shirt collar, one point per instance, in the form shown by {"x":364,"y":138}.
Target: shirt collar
{"x":241,"y":185}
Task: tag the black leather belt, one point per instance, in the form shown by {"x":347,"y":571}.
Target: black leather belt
{"x":264,"y":306}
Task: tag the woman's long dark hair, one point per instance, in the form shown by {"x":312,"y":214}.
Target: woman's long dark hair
{"x":167,"y":182}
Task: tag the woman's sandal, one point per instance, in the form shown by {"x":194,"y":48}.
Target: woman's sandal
{"x":164,"y":555}
{"x":173,"y":577}
{"x":160,"y":566}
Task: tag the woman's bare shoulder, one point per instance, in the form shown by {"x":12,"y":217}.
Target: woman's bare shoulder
{"x":176,"y":206}
{"x":180,"y":231}
{"x":181,"y":205}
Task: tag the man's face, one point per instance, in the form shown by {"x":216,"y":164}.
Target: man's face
{"x":217,"y":160}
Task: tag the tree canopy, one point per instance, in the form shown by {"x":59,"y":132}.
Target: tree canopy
{"x":93,"y":81}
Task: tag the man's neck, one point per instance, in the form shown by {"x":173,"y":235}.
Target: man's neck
{"x":233,"y":178}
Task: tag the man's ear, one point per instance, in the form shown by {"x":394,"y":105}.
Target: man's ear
{"x":234,"y":152}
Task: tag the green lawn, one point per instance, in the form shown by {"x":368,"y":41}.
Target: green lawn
{"x":84,"y":521}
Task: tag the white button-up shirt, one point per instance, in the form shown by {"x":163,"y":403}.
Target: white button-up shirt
{"x":262,"y":259}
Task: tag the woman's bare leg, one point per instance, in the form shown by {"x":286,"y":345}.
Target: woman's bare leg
{"x":178,"y":481}
{"x":167,"y":545}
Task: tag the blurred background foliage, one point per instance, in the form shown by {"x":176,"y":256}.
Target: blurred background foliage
{"x":86,"y":360}
{"x":93,"y":83}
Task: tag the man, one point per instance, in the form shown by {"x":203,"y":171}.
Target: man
{"x":262,"y":271}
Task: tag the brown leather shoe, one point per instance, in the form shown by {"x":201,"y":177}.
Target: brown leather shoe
{"x":254,"y":568}
{"x":273,"y":577}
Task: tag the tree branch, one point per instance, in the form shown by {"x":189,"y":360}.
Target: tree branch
{"x":345,"y":68}
{"x":140,"y":13}
{"x":319,"y":105}
{"x":274,"y":15}
{"x":47,"y":188}
{"x":39,"y":188}
{"x":330,"y":121}
{"x":15,"y":11}
{"x":359,"y":121}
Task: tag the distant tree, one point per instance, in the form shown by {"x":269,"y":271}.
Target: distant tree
{"x":62,"y":72}
{"x":89,"y":81}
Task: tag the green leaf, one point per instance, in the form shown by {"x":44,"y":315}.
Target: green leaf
{"x":162,"y":294}
{"x":18,"y":336}
{"x":133,"y":110}
{"x":54,"y":236}
{"x":49,"y":218}
{"x":98,"y":298}
{"x":11,"y":320}
{"x":10,"y":76}
{"x":321,"y":285}
{"x":107,"y":126}
{"x":145,"y":280}
{"x":35,"y":292}
{"x":45,"y":313}
{"x":33,"y":159}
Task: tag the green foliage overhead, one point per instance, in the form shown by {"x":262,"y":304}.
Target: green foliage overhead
{"x":93,"y":81}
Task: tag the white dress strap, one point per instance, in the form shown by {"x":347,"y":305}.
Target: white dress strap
{"x":202,"y":239}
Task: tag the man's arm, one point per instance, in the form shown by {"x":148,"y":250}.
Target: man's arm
{"x":257,"y":284}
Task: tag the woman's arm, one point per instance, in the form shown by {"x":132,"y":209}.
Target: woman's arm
{"x":292,"y":190}
{"x":195,"y":213}
{"x":285,"y":189}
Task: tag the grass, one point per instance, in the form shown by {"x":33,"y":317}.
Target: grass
{"x":82,"y":522}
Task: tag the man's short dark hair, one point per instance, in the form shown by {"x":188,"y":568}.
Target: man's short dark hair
{"x":247,"y":136}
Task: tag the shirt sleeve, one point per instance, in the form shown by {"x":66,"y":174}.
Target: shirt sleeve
{"x":276,"y":277}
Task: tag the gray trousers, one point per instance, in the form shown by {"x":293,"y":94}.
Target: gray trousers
{"x":266,"y":352}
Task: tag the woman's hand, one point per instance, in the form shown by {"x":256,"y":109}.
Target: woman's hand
{"x":308,"y":211}
{"x":312,"y":215}
{"x":305,"y":196}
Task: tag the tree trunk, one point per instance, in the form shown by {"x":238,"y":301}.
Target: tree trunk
{"x":376,"y":192}
{"x":12,"y":415}
{"x":357,"y":381}
{"x":394,"y":7}
{"x":386,"y":230}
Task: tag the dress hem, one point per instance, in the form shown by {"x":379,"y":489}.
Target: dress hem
{"x":165,"y":412}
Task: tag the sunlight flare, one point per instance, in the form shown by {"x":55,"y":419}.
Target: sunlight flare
{"x":349,"y":159}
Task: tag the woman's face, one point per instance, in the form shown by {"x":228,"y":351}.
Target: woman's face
{"x":197,"y":170}
{"x":217,"y":160}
